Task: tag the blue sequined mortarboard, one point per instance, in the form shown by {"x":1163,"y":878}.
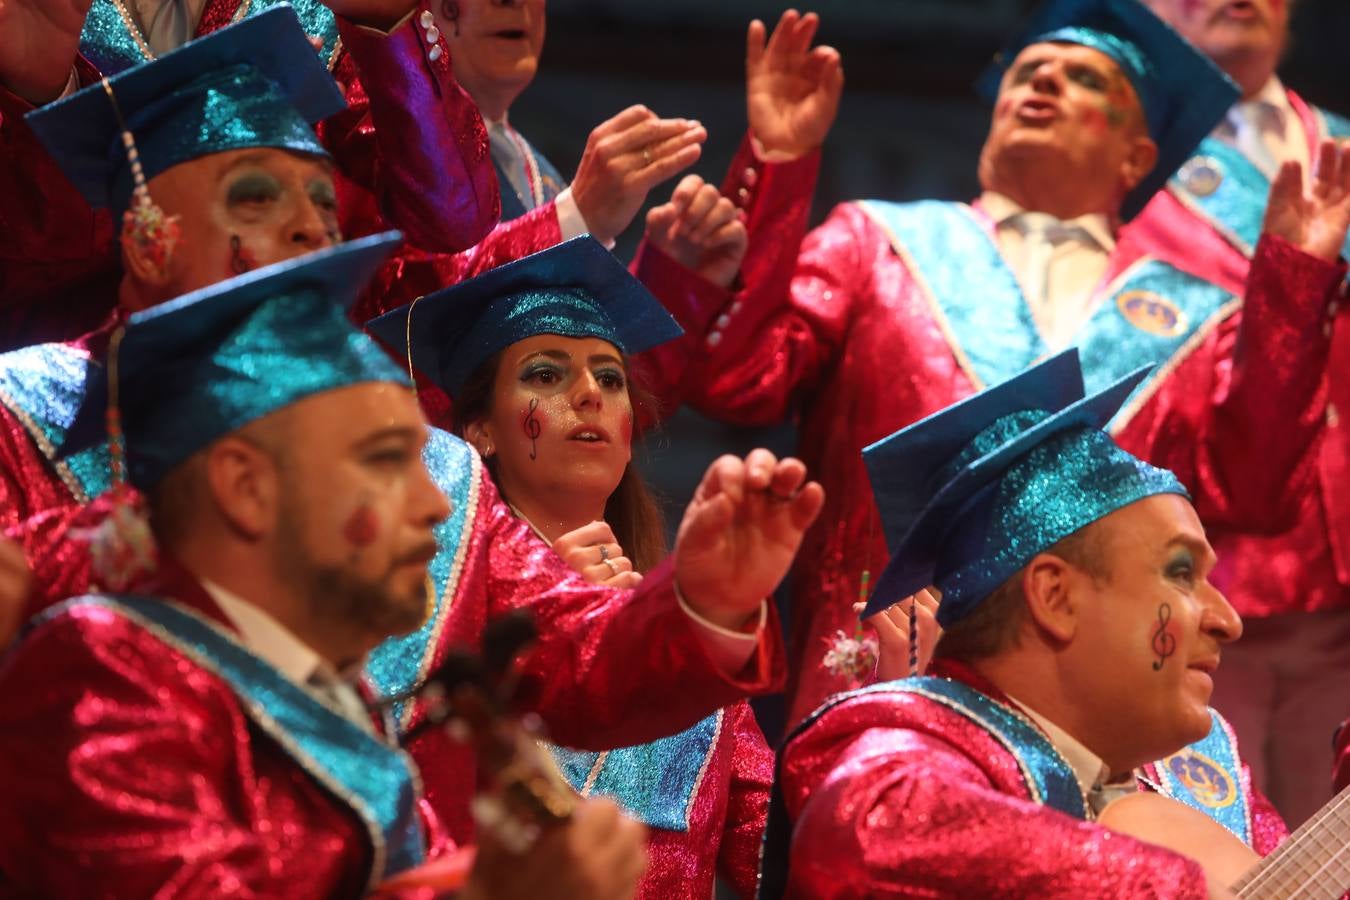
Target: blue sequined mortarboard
{"x":1183,"y":93}
{"x":969,"y":495}
{"x":257,"y":83}
{"x":575,"y":289}
{"x":197,"y":368}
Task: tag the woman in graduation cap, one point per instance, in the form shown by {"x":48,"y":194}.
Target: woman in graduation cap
{"x":535,"y":358}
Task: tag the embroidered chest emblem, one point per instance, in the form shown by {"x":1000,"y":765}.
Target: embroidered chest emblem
{"x":1201,"y":175}
{"x":1204,"y":778}
{"x":1152,"y":313}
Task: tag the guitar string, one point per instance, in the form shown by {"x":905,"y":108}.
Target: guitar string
{"x":1286,"y":855}
{"x":1337,"y":859}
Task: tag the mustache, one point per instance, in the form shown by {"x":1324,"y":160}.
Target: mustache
{"x":423,"y":553}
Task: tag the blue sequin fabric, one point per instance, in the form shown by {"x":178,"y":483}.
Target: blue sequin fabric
{"x":288,"y":348}
{"x":233,"y":108}
{"x":1150,"y":316}
{"x":655,"y":783}
{"x":566,"y":311}
{"x":42,"y":386}
{"x":401,"y":664}
{"x":1059,"y":486}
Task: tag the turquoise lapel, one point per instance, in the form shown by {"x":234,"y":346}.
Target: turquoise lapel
{"x":1208,"y":776}
{"x":1152,"y":314}
{"x":978,"y":303}
{"x":112,"y":41}
{"x":377,"y":781}
{"x":1220,"y":185}
{"x":1049,"y":778}
{"x":401,"y":664}
{"x":655,"y":783}
{"x":42,"y":386}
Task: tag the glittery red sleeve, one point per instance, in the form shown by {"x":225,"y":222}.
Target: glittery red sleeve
{"x":37,"y":510}
{"x":413,"y":273}
{"x":52,"y":237}
{"x":604,"y":653}
{"x":128,"y":771}
{"x":747,"y":801}
{"x":413,"y":136}
{"x":779,"y":335}
{"x":1257,"y":381}
{"x":899,"y":797}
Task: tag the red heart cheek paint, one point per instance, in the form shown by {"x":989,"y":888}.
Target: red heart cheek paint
{"x":361,"y":528}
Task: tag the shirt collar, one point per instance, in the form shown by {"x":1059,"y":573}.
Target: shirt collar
{"x":1002,"y":209}
{"x":268,"y":638}
{"x":1274,"y":95}
{"x":1087,"y":766}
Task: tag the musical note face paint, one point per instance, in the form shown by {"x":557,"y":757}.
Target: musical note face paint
{"x":1164,"y":642}
{"x":533,"y":426}
{"x":241,"y":258}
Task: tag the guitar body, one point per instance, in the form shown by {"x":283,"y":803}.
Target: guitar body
{"x":1163,"y":821}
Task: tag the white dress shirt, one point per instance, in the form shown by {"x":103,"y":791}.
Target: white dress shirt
{"x":1266,"y":129}
{"x":292,"y":657}
{"x":1092,"y":774}
{"x":1059,"y":266}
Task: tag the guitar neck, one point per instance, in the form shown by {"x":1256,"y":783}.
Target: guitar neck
{"x":1313,"y":863}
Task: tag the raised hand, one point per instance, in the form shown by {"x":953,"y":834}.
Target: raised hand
{"x":700,"y":229}
{"x":38,"y":43}
{"x":791,"y":89}
{"x":593,"y":552}
{"x":892,"y":628}
{"x":624,"y":159}
{"x":381,"y":14}
{"x":15,"y":582}
{"x":740,"y":533}
{"x":1314,"y":219}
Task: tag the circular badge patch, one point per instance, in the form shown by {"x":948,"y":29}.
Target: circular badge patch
{"x":1205,"y":779}
{"x":1201,"y":175}
{"x":1152,"y":313}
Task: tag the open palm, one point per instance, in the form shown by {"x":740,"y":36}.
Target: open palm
{"x":38,"y":42}
{"x":792,"y":89}
{"x":1317,"y":218}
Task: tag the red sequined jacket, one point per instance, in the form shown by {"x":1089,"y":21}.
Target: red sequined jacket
{"x":835,"y":328}
{"x":898,"y":795}
{"x":411,"y":151}
{"x":1306,"y":567}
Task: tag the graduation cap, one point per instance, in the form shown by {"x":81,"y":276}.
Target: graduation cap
{"x":969,"y":495}
{"x":208,"y":363}
{"x":1183,"y":93}
{"x":575,"y":289}
{"x":257,"y":83}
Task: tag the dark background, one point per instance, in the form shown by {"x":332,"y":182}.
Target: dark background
{"x":909,"y":125}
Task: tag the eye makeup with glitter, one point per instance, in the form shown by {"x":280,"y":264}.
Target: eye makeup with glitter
{"x":253,"y":188}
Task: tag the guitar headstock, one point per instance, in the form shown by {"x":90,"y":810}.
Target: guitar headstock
{"x":475,"y":697}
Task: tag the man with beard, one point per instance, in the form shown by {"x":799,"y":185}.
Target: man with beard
{"x":214,"y":202}
{"x":1285,"y":686}
{"x":205,"y":735}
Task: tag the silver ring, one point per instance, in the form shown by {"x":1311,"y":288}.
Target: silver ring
{"x":604,"y":554}
{"x":612,"y":571}
{"x":646,"y":156}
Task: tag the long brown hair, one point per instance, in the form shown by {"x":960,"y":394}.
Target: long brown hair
{"x":631,"y":510}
